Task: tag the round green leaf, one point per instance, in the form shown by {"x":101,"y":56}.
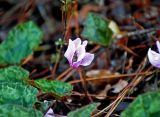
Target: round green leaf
{"x":58,"y":88}
{"x":17,"y":93}
{"x":97,"y":29}
{"x":9,"y":110}
{"x":146,"y":105}
{"x":13,"y":73}
{"x":20,"y":42}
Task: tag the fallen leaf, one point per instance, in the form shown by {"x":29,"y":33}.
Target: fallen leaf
{"x":101,"y":73}
{"x":119,"y":86}
{"x":102,"y":94}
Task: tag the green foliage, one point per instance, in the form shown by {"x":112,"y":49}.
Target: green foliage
{"x":55,"y":58}
{"x":85,"y":111}
{"x":57,"y":88}
{"x":20,"y":42}
{"x":17,"y":93}
{"x":10,"y":110}
{"x":13,"y":73}
{"x":96,"y":29}
{"x":146,"y":105}
{"x":17,"y":98}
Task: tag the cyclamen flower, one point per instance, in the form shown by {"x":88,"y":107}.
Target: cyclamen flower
{"x":77,"y":55}
{"x":154,"y":57}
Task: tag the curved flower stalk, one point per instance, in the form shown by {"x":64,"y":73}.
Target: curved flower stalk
{"x":154,"y":57}
{"x":77,"y":55}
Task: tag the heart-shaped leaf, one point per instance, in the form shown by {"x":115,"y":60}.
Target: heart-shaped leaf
{"x":20,"y":42}
{"x":17,"y":93}
{"x":146,"y":105}
{"x":10,"y":110}
{"x":13,"y":73}
{"x":58,"y":88}
{"x":97,"y":29}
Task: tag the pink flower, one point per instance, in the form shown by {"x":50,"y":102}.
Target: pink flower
{"x":77,"y":55}
{"x":154,"y":57}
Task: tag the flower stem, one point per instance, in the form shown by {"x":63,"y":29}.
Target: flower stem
{"x":84,"y":83}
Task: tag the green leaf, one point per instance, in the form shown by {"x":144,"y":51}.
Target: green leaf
{"x":13,"y":73}
{"x":146,"y":105}
{"x":20,"y":43}
{"x":58,"y":88}
{"x":85,"y":111}
{"x":17,"y":93}
{"x":96,"y":29}
{"x":9,"y":110}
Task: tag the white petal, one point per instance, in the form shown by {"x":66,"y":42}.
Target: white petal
{"x":88,"y":58}
{"x":154,"y":58}
{"x":80,"y":52}
{"x":85,"y":43}
{"x":49,"y":113}
{"x":158,"y":46}
{"x":77,"y":42}
{"x":70,"y":51}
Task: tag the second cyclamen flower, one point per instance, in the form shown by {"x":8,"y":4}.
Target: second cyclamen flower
{"x":154,"y":57}
{"x":77,"y":55}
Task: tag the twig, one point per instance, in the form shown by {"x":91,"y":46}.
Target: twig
{"x":64,"y":73}
{"x":113,"y":77}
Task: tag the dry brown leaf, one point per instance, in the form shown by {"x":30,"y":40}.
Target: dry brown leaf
{"x":102,"y":94}
{"x":119,"y":86}
{"x":101,"y":73}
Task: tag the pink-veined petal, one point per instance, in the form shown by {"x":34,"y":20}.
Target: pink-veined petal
{"x":158,"y":46}
{"x":49,"y":113}
{"x":88,"y":58}
{"x":154,"y":58}
{"x":70,"y":51}
{"x":77,"y":42}
{"x":76,"y":64}
{"x":80,"y":51}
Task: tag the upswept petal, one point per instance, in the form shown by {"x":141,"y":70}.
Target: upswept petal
{"x":80,"y":52}
{"x":154,"y":58}
{"x":70,"y":51}
{"x":158,"y":46}
{"x":77,"y":42}
{"x":85,"y":43}
{"x":88,"y":58}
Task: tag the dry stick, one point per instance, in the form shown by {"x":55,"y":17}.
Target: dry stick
{"x":113,"y":76}
{"x":56,"y":64}
{"x":105,"y":109}
{"x":76,"y":17}
{"x":138,"y":32}
{"x":127,"y":89}
{"x":129,"y":50}
{"x":116,"y":102}
{"x":64,"y":73}
{"x":68,"y":75}
{"x":94,"y":95}
{"x":121,"y":96}
{"x":54,"y":69}
{"x":109,"y":106}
